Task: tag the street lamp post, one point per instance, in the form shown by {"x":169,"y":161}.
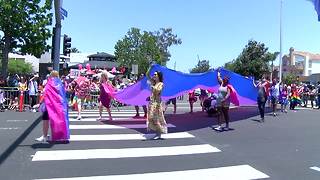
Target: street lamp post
{"x":280,"y":57}
{"x":56,"y":56}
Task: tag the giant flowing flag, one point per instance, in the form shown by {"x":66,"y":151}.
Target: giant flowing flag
{"x":316,"y":4}
{"x":177,"y":83}
{"x":57,"y":106}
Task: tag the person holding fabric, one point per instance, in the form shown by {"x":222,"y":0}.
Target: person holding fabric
{"x":174,"y":102}
{"x":203,"y":96}
{"x":262,"y":97}
{"x":155,"y":118}
{"x":106,"y":92}
{"x":223,"y":102}
{"x":192,"y":100}
{"x":55,"y":110}
{"x":143,"y":106}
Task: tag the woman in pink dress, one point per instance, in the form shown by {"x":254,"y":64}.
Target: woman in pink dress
{"x":106,"y":93}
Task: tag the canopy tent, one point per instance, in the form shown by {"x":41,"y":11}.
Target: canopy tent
{"x":110,"y":76}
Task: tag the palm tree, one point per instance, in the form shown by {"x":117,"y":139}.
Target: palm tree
{"x":272,"y":57}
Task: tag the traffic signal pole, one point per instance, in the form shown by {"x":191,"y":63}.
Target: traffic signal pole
{"x":56,"y":45}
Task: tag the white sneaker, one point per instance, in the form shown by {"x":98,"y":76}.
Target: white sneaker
{"x":219,"y":128}
{"x":41,"y":139}
{"x":79,"y":118}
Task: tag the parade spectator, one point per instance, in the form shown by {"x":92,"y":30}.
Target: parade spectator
{"x":223,"y":102}
{"x":318,"y":94}
{"x":312,"y":95}
{"x":305,"y":95}
{"x":155,"y":120}
{"x":14,"y":104}
{"x":33,"y":91}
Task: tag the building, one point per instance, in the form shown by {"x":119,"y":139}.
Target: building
{"x":26,"y":58}
{"x":100,"y":60}
{"x":300,"y":63}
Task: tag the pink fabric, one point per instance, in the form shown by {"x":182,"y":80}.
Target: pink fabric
{"x":108,"y":88}
{"x":57,"y":109}
{"x":234,"y":96}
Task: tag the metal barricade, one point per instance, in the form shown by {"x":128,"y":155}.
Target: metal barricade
{"x":11,"y":96}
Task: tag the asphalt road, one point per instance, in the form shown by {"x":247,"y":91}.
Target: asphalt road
{"x":284,"y":147}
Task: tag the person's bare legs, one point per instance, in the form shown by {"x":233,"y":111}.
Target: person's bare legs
{"x":191,"y":106}
{"x":45,"y":128}
{"x":100,"y":111}
{"x":79,"y":109}
{"x":109,"y":112}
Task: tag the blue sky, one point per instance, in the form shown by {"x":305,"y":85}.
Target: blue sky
{"x":214,"y":30}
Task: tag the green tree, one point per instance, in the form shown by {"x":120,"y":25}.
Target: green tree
{"x":142,"y":47}
{"x":165,"y":39}
{"x":289,"y":79}
{"x":202,"y":66}
{"x":75,"y":50}
{"x":253,"y":61}
{"x":138,"y":48}
{"x":24,"y":27}
{"x":19,"y":67}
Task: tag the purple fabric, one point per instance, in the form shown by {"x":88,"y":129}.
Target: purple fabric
{"x":178,"y":83}
{"x":57,"y":107}
{"x":106,"y":93}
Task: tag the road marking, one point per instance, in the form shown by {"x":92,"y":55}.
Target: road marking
{"x":97,"y":115}
{"x":315,"y":168}
{"x":122,"y":153}
{"x":116,"y":137}
{"x":104,"y":112}
{"x":113,"y":118}
{"x":14,"y":120}
{"x":107,"y":126}
{"x":243,"y":172}
{"x":9,"y":128}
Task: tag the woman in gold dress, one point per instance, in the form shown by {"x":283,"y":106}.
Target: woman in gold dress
{"x":155,"y":118}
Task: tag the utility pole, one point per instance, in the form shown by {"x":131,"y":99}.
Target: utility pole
{"x":56,"y":45}
{"x":280,"y":57}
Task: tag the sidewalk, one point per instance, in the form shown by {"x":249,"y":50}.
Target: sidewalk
{"x":14,"y":128}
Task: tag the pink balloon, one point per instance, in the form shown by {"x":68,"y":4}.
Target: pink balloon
{"x":88,"y":67}
{"x":113,"y":70}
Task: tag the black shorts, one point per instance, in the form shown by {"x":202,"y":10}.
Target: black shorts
{"x":274,"y":100}
{"x":45,"y":115}
{"x":173,"y":101}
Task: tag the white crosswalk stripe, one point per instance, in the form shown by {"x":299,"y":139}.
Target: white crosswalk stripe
{"x":176,"y":145}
